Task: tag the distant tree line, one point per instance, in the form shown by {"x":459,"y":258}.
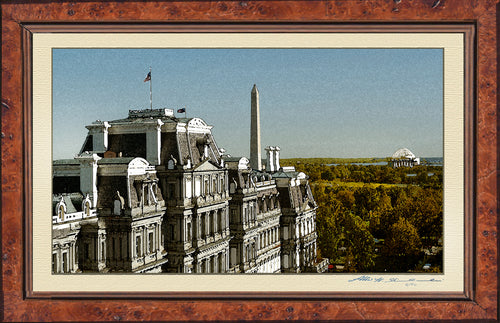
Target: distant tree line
{"x":420,"y":175}
{"x":375,"y":218}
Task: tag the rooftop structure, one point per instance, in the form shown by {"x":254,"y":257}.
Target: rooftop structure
{"x":154,"y":193}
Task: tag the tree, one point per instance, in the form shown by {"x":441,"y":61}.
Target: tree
{"x":427,"y":216}
{"x":402,"y":247}
{"x":360,"y":244}
{"x":328,"y":227}
{"x":341,"y":172}
{"x":346,"y":197}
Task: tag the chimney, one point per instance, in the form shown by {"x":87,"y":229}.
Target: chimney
{"x":270,"y":159}
{"x":255,"y":151}
{"x":277,"y":158}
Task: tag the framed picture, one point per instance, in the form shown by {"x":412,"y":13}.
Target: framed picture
{"x":469,"y":240}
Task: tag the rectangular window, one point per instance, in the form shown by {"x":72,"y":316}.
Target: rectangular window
{"x":188,"y":189}
{"x":138,"y":246}
{"x":54,"y":263}
{"x":207,"y":187}
{"x":233,"y":256}
{"x":172,"y":232}
{"x":212,"y":265}
{"x":151,"y":242}
{"x":197,"y":187}
{"x":64,"y":266}
{"x":211,"y":222}
{"x":120,"y":245}
{"x":189,"y":231}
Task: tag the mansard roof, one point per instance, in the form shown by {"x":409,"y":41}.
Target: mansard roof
{"x":181,"y":138}
{"x":72,"y":201}
{"x":188,"y":142}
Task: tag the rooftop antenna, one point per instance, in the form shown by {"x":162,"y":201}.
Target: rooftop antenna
{"x":148,"y":79}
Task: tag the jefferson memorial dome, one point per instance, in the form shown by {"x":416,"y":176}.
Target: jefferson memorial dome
{"x":403,"y":153}
{"x":403,"y":157}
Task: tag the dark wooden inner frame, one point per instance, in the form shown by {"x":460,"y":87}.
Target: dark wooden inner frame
{"x":479,"y":299}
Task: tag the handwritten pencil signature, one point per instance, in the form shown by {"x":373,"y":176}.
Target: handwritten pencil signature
{"x":392,"y":279}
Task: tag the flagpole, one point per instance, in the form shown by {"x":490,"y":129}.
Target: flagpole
{"x":150,"y":90}
{"x":185,"y":111}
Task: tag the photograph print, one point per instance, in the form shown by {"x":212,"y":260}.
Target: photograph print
{"x":247,"y":160}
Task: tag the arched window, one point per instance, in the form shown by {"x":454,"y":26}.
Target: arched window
{"x":86,"y":208}
{"x":60,"y":209}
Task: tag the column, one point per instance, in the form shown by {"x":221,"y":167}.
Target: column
{"x":143,"y":240}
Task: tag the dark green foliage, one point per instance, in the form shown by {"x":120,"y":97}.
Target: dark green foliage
{"x":357,"y":204}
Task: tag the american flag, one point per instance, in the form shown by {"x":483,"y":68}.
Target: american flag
{"x":148,"y":78}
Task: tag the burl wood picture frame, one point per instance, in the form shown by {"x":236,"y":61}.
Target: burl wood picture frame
{"x":477,"y":20}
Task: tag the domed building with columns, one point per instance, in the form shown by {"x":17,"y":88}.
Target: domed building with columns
{"x":403,"y":157}
{"x":154,"y":193}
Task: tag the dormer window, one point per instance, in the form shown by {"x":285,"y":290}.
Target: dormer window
{"x":118,"y":204}
{"x":205,"y":151}
{"x":152,"y":187}
{"x":86,"y":206}
{"x":60,"y":213}
{"x":172,"y":162}
{"x":61,"y":209}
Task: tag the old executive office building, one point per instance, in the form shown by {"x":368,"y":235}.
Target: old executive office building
{"x":154,"y":193}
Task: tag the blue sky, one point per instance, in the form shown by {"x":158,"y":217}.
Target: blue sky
{"x":313,"y":102}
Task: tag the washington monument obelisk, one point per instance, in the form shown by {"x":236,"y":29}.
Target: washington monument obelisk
{"x":255,"y":155}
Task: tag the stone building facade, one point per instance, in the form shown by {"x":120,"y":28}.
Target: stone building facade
{"x":122,"y":230}
{"x":154,"y":193}
{"x":254,"y":219}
